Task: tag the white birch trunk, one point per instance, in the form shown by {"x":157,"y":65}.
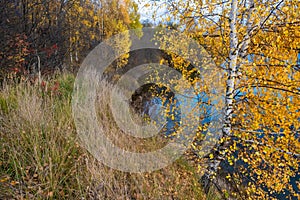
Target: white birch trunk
{"x":39,"y":69}
{"x":236,"y":51}
{"x":76,"y":56}
{"x":71,"y":57}
{"x":219,"y":154}
{"x":250,"y":29}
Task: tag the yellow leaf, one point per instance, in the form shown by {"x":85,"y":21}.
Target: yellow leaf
{"x":13,"y":183}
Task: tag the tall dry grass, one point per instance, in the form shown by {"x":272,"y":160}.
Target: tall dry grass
{"x":41,"y":157}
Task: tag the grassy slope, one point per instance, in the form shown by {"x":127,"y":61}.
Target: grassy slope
{"x":41,"y":158}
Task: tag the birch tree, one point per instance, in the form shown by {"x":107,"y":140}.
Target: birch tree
{"x":257,"y":44}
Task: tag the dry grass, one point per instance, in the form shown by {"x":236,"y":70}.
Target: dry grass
{"x":41,"y":157}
